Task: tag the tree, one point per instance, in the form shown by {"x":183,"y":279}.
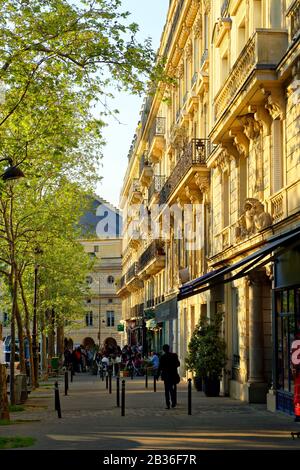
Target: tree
{"x":89,"y":45}
{"x":57,"y":60}
{"x":207,"y":349}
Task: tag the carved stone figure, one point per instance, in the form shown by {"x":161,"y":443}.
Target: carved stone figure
{"x":253,"y":219}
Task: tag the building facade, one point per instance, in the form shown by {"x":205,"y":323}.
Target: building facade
{"x":211,"y":196}
{"x":101,"y":238}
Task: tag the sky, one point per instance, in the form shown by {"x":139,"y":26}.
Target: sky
{"x":150,"y":16}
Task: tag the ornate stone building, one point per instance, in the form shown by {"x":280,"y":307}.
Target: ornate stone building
{"x":224,"y":143}
{"x":101,"y":238}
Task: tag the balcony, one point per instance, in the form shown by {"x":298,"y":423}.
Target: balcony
{"x":173,"y":27}
{"x":157,"y":138}
{"x":285,"y":202}
{"x":293,"y":13}
{"x":155,"y":187}
{"x":134,"y":236}
{"x":159,"y":299}
{"x":193,"y":156}
{"x":135,"y":194}
{"x":204,"y":60}
{"x":263,"y":51}
{"x":137,"y":311}
{"x":122,"y":290}
{"x":132,"y":280}
{"x":150,"y":303}
{"x":146,"y":170}
{"x":152,"y":260}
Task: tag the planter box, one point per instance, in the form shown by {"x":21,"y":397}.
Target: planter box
{"x":211,"y":387}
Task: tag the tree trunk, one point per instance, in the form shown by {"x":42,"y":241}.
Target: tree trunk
{"x":28,"y":332}
{"x":60,"y":340}
{"x":51,"y":335}
{"x":21,"y":340}
{"x":44,"y":363}
{"x":4,"y":409}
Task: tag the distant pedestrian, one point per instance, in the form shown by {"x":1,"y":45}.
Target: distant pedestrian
{"x":154,"y":362}
{"x":168,"y":371}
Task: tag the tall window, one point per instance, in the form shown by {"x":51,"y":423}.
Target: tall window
{"x":243,"y":180}
{"x":241,"y":37}
{"x":110,"y":318}
{"x":196,"y":54}
{"x":225,"y":199}
{"x":277,"y":151}
{"x":235,"y":328}
{"x":205,"y":32}
{"x":89,"y":319}
{"x":96,"y":248}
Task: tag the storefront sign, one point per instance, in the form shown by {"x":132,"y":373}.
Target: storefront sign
{"x":120,"y":327}
{"x":295,"y":358}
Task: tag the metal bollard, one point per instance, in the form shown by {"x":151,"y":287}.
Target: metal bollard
{"x":66,"y":383}
{"x":123,"y":399}
{"x":154,"y":382}
{"x":146,"y":378}
{"x":189,"y":396}
{"x":109,"y":382}
{"x":106,"y":379}
{"x":118,"y":392}
{"x":57,"y":400}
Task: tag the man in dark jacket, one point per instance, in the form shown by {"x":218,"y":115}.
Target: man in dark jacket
{"x":168,"y":371}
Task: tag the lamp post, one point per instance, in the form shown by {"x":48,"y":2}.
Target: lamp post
{"x":99,"y":332}
{"x":35,"y":347}
{"x":11,"y":174}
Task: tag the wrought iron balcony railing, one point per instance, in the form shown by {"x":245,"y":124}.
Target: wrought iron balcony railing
{"x":145,"y":161}
{"x":134,"y":188}
{"x":150,"y":303}
{"x":155,"y":186}
{"x":155,"y":249}
{"x":132,"y":272}
{"x":195,"y":153}
{"x":158,"y":128}
{"x":121,"y":283}
{"x":137,"y":310}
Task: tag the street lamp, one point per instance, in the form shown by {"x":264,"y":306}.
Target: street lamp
{"x":11,"y":173}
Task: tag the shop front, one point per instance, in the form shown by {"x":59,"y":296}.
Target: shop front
{"x":166,"y":317}
{"x":286,"y":315}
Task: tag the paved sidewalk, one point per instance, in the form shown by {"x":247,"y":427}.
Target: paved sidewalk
{"x":91,"y":420}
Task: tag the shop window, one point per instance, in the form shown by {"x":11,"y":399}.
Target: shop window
{"x":287,"y":304}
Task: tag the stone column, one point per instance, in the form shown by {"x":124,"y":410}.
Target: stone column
{"x":257,"y":388}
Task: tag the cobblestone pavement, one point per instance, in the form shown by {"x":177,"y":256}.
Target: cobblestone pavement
{"x":91,"y":420}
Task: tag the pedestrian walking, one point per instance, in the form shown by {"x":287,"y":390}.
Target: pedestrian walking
{"x":168,"y":371}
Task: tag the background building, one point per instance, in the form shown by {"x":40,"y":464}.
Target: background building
{"x":101,"y":228}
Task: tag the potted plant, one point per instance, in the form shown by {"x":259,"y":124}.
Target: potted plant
{"x":207,"y":355}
